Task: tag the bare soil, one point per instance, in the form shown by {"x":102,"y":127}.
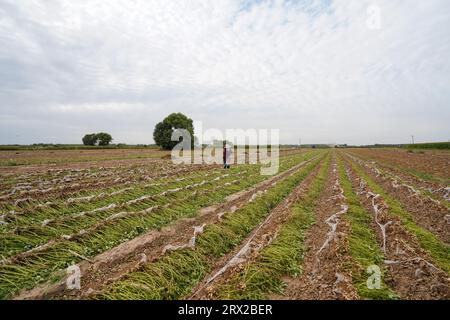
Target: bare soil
{"x":436,"y":163}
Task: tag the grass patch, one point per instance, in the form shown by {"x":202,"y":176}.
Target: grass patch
{"x":425,"y":176}
{"x":11,"y":163}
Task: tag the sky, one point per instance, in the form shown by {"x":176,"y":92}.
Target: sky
{"x":323,"y":71}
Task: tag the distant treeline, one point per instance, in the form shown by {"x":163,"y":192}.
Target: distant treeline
{"x":433,"y":145}
{"x":49,"y":146}
{"x":379,"y":146}
{"x":318,"y":146}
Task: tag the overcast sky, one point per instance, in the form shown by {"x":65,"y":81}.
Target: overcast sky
{"x":326,"y":71}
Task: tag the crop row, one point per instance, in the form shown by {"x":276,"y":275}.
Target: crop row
{"x":283,"y":256}
{"x":439,"y":251}
{"x":439,"y":195}
{"x":24,"y":193}
{"x":28,"y":270}
{"x":65,"y":226}
{"x":42,"y":213}
{"x":176,"y":273}
{"x":413,"y":258}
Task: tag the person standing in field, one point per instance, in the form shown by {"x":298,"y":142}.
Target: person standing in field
{"x":226,"y":155}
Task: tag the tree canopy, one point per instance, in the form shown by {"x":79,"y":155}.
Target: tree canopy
{"x":164,"y":129}
{"x":90,"y":139}
{"x":102,"y":138}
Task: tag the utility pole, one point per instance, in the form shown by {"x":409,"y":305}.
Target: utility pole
{"x":300,"y":143}
{"x":412,"y":139}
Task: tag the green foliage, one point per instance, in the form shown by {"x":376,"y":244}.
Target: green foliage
{"x":162,"y":136}
{"x":12,"y":163}
{"x":90,"y":139}
{"x":163,"y":130}
{"x":433,"y":145}
{"x":102,"y":138}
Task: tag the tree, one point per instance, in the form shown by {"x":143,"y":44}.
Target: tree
{"x":164,"y":129}
{"x":162,"y":135}
{"x":90,"y":139}
{"x":104,"y":138}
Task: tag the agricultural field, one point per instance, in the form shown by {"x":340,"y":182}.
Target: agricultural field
{"x":331,"y":224}
{"x":19,"y":157}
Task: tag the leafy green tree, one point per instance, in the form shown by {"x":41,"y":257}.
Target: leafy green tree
{"x":163,"y":130}
{"x":104,"y":138}
{"x":90,"y":139}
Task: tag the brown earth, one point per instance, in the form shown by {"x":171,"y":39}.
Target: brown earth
{"x":435,"y":188}
{"x":436,"y":163}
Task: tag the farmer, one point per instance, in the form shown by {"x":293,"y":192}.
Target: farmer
{"x":226,"y":155}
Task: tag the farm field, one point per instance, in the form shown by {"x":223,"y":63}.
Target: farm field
{"x":331,"y":224}
{"x":81,"y":157}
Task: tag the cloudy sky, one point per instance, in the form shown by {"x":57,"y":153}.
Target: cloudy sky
{"x":324,"y":70}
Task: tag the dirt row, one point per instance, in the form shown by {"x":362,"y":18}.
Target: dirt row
{"x":324,"y":275}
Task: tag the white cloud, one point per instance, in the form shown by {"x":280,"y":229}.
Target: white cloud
{"x":311,"y":68}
